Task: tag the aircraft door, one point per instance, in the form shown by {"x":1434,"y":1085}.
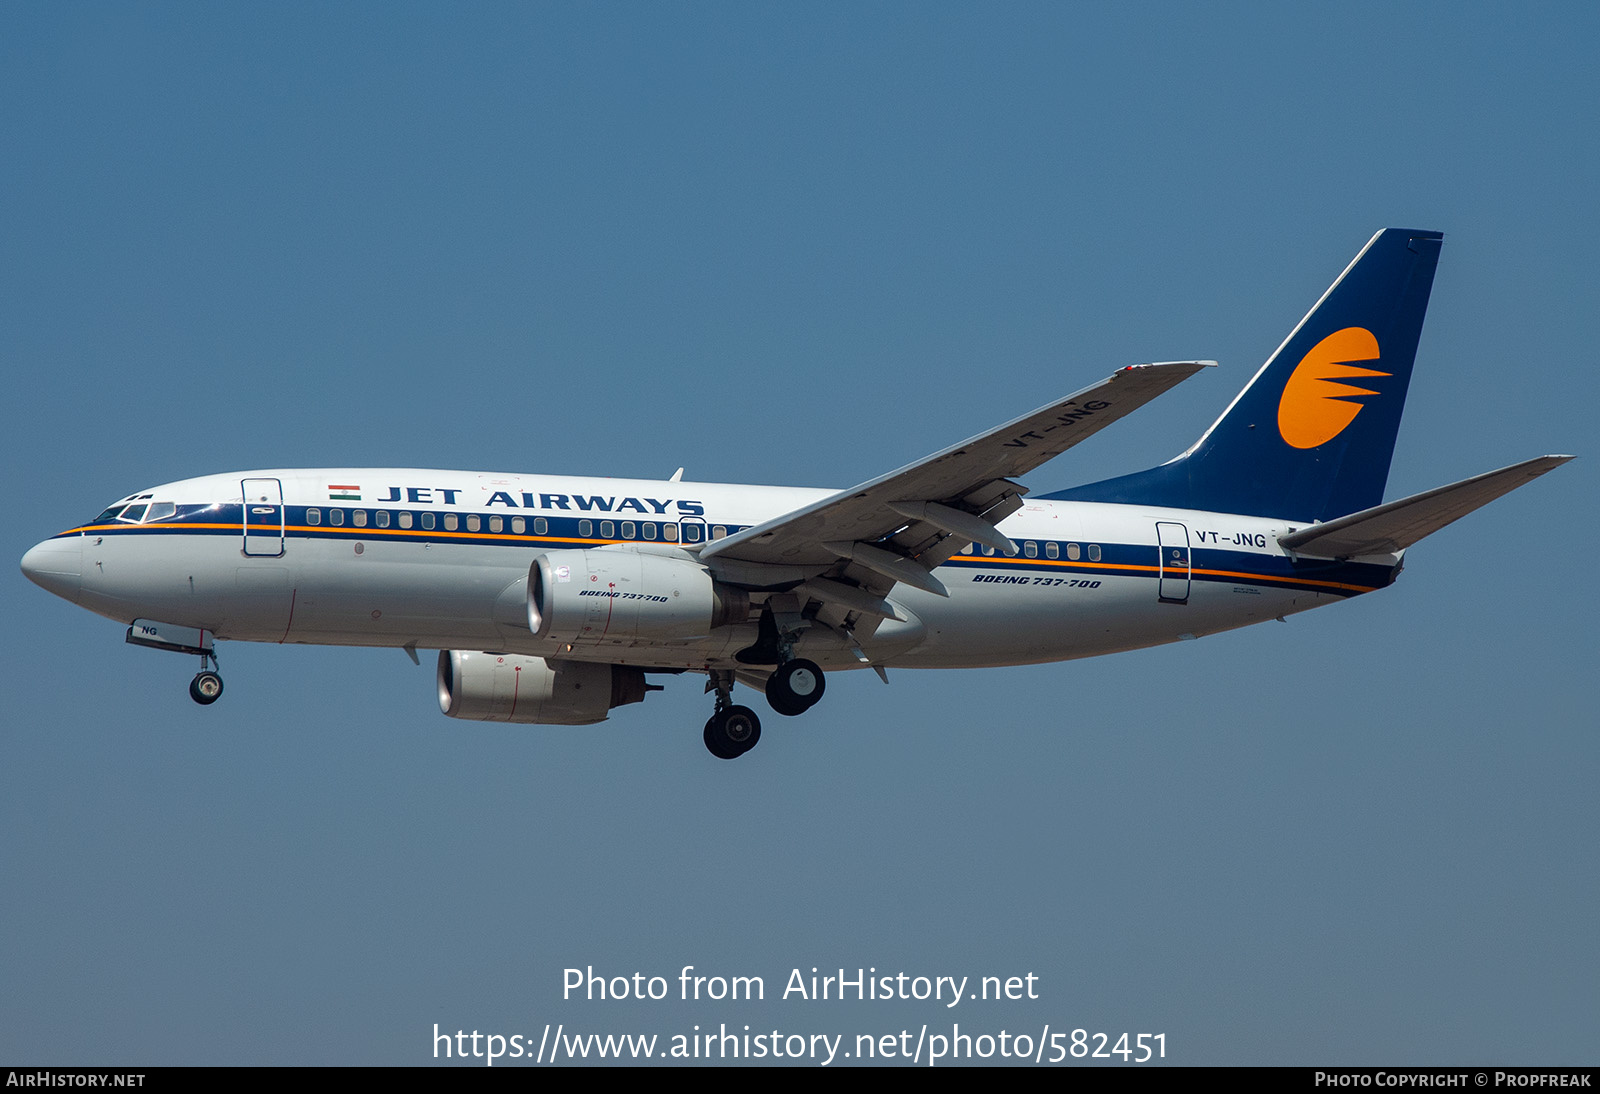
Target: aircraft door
{"x":691,"y":530}
{"x":263,"y":517}
{"x":1172,"y":540}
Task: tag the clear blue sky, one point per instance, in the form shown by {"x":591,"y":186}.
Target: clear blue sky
{"x":796,"y":244}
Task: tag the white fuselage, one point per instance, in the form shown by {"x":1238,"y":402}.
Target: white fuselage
{"x":440,"y":560}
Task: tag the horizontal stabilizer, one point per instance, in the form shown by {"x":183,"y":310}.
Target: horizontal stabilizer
{"x":1395,"y":526}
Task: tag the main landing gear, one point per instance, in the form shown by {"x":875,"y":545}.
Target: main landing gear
{"x":733,"y":730}
{"x":793,"y":688}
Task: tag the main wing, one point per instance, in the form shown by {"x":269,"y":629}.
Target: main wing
{"x":900,"y":526}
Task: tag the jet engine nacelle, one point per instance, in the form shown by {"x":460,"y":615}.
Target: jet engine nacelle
{"x":619,"y":596}
{"x":503,"y":687}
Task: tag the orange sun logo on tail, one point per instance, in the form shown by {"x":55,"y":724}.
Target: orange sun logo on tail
{"x":1316,"y":407}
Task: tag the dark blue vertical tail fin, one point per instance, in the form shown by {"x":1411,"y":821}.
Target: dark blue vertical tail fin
{"x":1311,"y":436}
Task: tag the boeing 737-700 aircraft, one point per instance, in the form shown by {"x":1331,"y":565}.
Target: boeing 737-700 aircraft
{"x":553,"y":599}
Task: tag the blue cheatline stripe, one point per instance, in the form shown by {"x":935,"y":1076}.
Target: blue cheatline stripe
{"x":1223,"y":567}
{"x":1116,"y":559}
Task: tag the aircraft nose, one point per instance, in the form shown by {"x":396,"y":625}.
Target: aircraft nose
{"x":56,"y":565}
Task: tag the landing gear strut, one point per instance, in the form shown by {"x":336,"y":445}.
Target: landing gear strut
{"x":206,"y":687}
{"x":733,"y":730}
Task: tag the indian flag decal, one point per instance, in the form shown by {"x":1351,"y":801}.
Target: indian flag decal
{"x":344,"y":493}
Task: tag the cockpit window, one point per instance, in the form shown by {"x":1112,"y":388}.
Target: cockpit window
{"x":139,"y":513}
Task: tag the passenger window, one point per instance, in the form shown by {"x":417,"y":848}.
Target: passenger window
{"x":427,"y":521}
{"x":540,"y":526}
{"x":1094,"y":552}
{"x":669,"y":532}
{"x":1072,"y":551}
{"x":989,"y":551}
{"x":691,"y":533}
{"x":497,"y":524}
{"x":335,"y":517}
{"x":1031,"y":549}
{"x":719,"y":531}
{"x":1052,"y":550}
{"x":628,"y":530}
{"x":586,"y":528}
{"x":405,"y":520}
{"x":473,"y":523}
{"x":451,"y":522}
{"x":649,"y":529}
{"x":383,"y":518}
{"x":359,"y":518}
{"x":607,"y":529}
{"x":313,"y":516}
{"x":519,"y":525}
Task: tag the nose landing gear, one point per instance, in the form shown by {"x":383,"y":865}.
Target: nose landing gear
{"x":206,"y":687}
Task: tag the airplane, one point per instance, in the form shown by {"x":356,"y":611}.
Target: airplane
{"x":553,"y":599}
